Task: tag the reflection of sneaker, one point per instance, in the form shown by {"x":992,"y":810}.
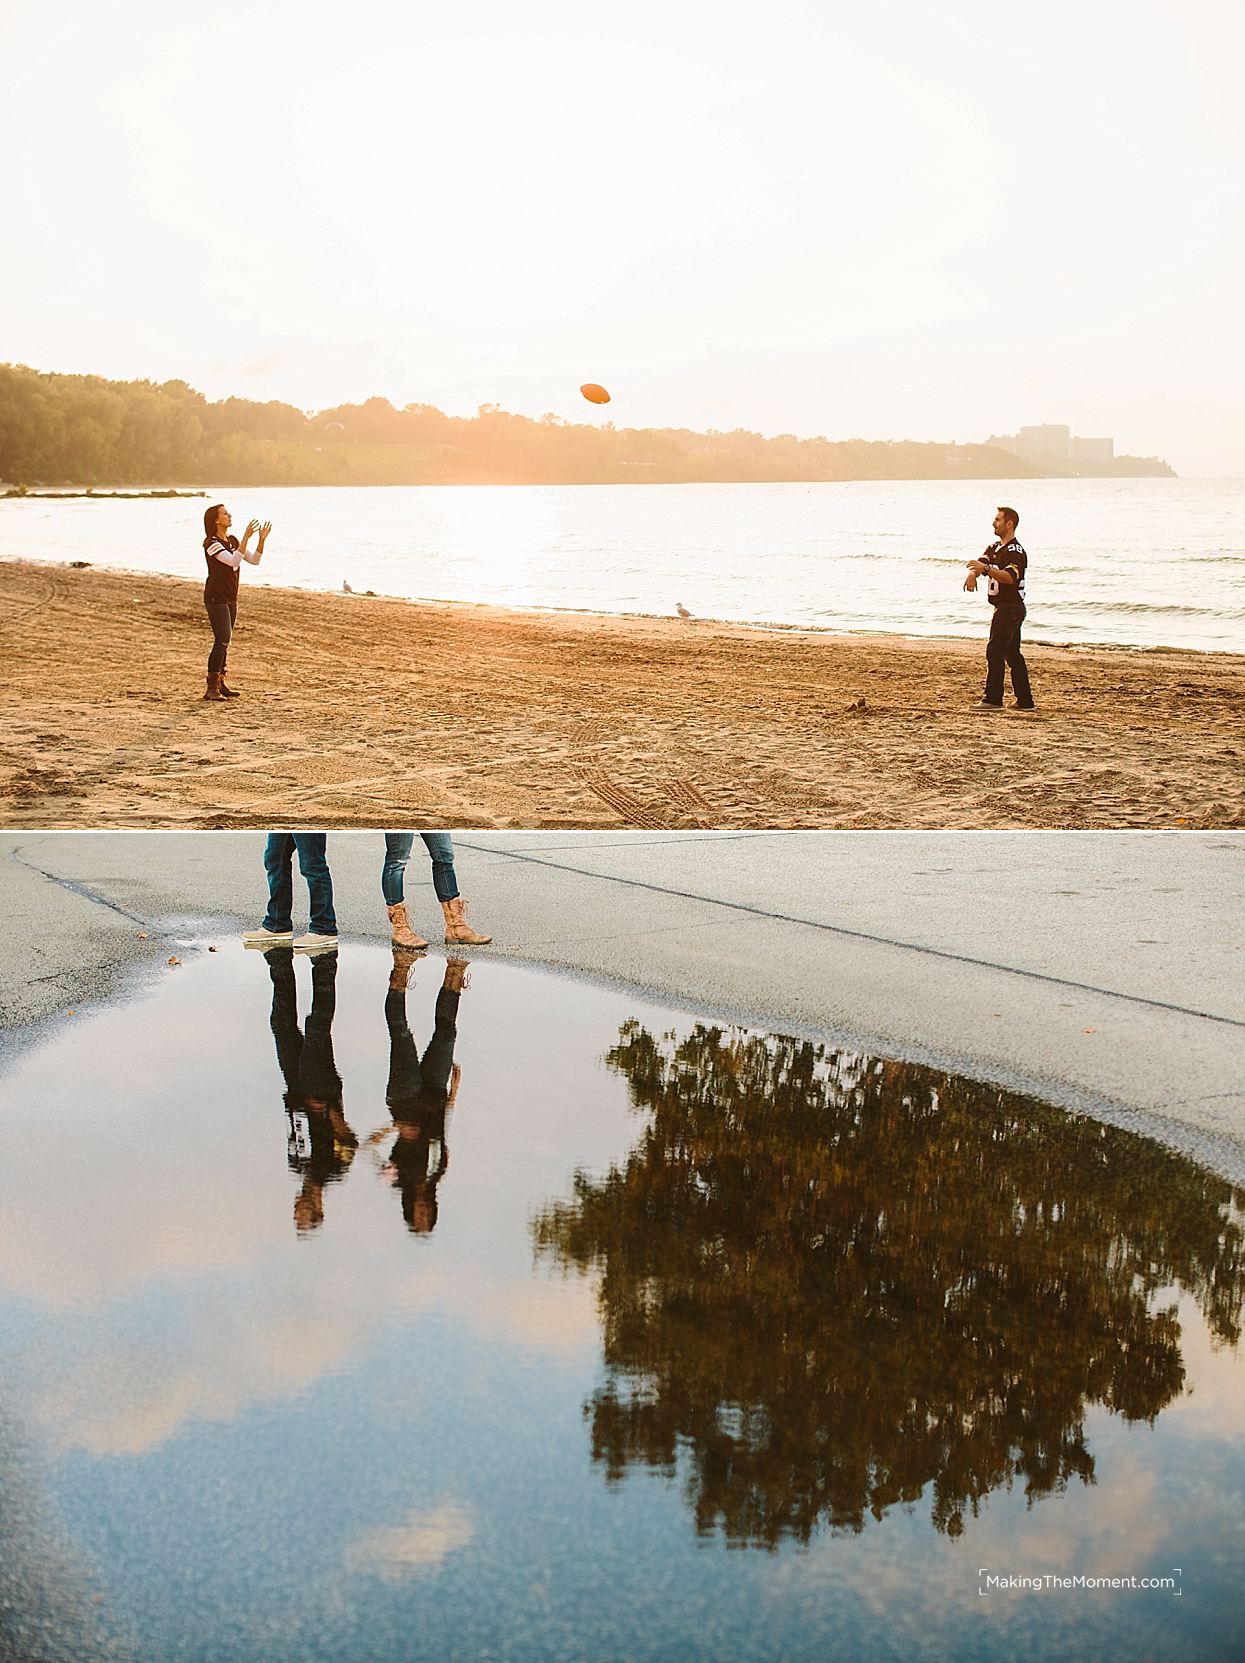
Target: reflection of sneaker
{"x":985,"y":708}
{"x":267,"y":938}
{"x":313,"y":943}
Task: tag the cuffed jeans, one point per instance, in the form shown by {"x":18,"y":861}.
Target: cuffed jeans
{"x":1003,"y":648}
{"x":278,"y":861}
{"x":440,"y":846}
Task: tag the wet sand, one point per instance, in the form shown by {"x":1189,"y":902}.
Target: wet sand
{"x":361,"y":711}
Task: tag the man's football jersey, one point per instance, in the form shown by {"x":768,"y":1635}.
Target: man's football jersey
{"x":1012,"y":558}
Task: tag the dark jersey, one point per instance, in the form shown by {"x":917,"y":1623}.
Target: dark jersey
{"x":222,"y":579}
{"x":1012,"y":558}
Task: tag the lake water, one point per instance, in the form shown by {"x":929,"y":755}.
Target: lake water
{"x":1140,"y":563}
{"x":659,"y":1340}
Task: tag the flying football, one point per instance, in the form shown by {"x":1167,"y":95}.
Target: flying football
{"x":594,"y":394}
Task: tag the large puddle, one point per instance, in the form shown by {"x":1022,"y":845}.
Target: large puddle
{"x":532,"y":1321}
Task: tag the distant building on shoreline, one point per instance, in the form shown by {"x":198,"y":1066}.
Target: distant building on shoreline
{"x":1051,"y":448}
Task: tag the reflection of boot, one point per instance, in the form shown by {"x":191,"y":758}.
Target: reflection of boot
{"x":456,"y":980}
{"x":400,"y":927}
{"x":213,"y":687}
{"x":404,"y":958}
{"x":457,"y":930}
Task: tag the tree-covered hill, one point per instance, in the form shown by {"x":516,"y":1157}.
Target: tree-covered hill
{"x":84,"y":430}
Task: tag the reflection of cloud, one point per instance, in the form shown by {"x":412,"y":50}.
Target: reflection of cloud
{"x":550,"y":1316}
{"x":236,"y":1344}
{"x":223,"y":1355}
{"x":1210,"y":1405}
{"x":425,"y":1541}
{"x":905,"y":1576}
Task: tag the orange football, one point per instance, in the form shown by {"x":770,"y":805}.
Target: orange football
{"x":594,"y":394}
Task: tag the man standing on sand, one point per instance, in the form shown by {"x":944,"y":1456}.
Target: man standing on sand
{"x":1003,"y":566}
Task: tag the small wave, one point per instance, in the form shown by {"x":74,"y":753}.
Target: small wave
{"x":1139,"y":607}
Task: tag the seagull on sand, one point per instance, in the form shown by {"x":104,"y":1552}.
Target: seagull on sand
{"x":682,"y":610}
{"x":346,"y":589}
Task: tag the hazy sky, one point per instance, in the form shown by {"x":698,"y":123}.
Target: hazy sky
{"x":889,"y":219}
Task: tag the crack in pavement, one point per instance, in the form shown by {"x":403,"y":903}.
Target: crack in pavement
{"x":877,"y":940}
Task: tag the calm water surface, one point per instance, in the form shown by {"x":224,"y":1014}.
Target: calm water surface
{"x":1147,"y":562}
{"x":533,"y":1321}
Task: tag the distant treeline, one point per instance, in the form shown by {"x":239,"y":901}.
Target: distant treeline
{"x":83,"y":430}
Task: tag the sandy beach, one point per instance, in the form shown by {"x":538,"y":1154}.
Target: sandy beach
{"x":366,"y":711}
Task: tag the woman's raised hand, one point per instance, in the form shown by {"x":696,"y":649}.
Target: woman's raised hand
{"x":263,"y":532}
{"x":252,"y":528}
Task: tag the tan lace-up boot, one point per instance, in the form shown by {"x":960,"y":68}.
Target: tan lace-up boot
{"x":400,"y":927}
{"x":458,"y":932}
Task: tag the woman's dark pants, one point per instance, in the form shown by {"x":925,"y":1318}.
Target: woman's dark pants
{"x":222,"y":615}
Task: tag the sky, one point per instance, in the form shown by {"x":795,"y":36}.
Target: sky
{"x":927,"y":219}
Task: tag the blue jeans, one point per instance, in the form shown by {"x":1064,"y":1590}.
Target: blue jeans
{"x":440,"y":846}
{"x":278,"y":859}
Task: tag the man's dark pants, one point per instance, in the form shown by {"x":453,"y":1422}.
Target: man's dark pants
{"x":278,"y":859}
{"x":1003,"y":648}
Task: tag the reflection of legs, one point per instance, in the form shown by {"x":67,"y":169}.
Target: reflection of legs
{"x":438,"y":1058}
{"x":405,"y":1075}
{"x":314,"y":866}
{"x":278,"y":855}
{"x":285,"y":1030}
{"x":318,"y":1078}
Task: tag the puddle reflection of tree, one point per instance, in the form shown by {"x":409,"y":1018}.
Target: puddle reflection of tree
{"x":420,"y":1094}
{"x":833,"y":1281}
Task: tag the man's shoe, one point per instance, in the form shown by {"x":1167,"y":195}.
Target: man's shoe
{"x":1024,"y":707}
{"x":985,"y":708}
{"x":313,"y":943}
{"x":267,"y":938}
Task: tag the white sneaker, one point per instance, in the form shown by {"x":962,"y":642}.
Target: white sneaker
{"x":313,"y":943}
{"x":267,"y":938}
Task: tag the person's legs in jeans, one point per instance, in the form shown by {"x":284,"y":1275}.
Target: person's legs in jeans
{"x":1020,"y":671}
{"x":440,"y":846}
{"x":397,"y":853}
{"x":1002,"y":628}
{"x":278,"y":855}
{"x":220,"y":616}
{"x":314,"y":866}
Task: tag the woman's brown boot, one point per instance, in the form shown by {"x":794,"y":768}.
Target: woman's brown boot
{"x":400,"y":927}
{"x":213,"y":687}
{"x":227,"y":692}
{"x":458,"y":932}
